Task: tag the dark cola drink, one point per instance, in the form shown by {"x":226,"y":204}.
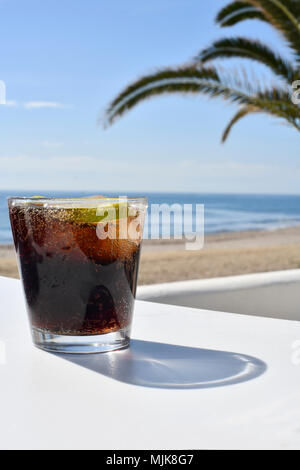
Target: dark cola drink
{"x":78,"y":270}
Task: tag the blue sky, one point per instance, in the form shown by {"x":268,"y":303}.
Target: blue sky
{"x":64,"y":60}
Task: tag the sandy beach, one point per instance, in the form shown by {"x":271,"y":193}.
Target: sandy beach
{"x":223,"y":254}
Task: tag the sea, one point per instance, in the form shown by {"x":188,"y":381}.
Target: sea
{"x":223,"y":212}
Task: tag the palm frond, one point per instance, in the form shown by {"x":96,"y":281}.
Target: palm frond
{"x":199,"y":78}
{"x":206,"y":81}
{"x":170,"y":80}
{"x":128,"y":103}
{"x":249,"y":49}
{"x":272,"y":102}
{"x":278,"y":102}
{"x":244,"y":111}
{"x":294,"y":7}
{"x":187,"y":73}
{"x":284,"y":15}
{"x":238,"y":11}
{"x":246,"y":14}
{"x":191,"y":79}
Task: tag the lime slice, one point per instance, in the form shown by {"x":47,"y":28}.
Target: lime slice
{"x":37,"y":203}
{"x":94,"y":215}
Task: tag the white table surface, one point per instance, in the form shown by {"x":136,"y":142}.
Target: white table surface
{"x":192,"y":379}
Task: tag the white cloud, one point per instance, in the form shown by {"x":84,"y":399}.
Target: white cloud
{"x":11,"y":103}
{"x":92,"y":173}
{"x":35,"y":104}
{"x":63,"y":164}
{"x":52,"y":145}
{"x":43,"y":104}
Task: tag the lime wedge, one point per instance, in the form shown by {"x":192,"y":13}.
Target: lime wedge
{"x":94,"y":215}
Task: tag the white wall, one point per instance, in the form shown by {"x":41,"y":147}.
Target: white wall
{"x":275,"y":294}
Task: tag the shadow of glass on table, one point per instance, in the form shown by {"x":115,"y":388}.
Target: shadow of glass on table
{"x":159,"y":365}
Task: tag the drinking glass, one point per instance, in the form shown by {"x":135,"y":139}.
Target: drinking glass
{"x":78,"y":261}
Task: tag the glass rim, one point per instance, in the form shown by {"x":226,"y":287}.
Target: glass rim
{"x":76,"y":201}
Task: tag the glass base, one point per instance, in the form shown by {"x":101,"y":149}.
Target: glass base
{"x":81,"y":344}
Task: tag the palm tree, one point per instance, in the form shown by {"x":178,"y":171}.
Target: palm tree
{"x":199,"y":76}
